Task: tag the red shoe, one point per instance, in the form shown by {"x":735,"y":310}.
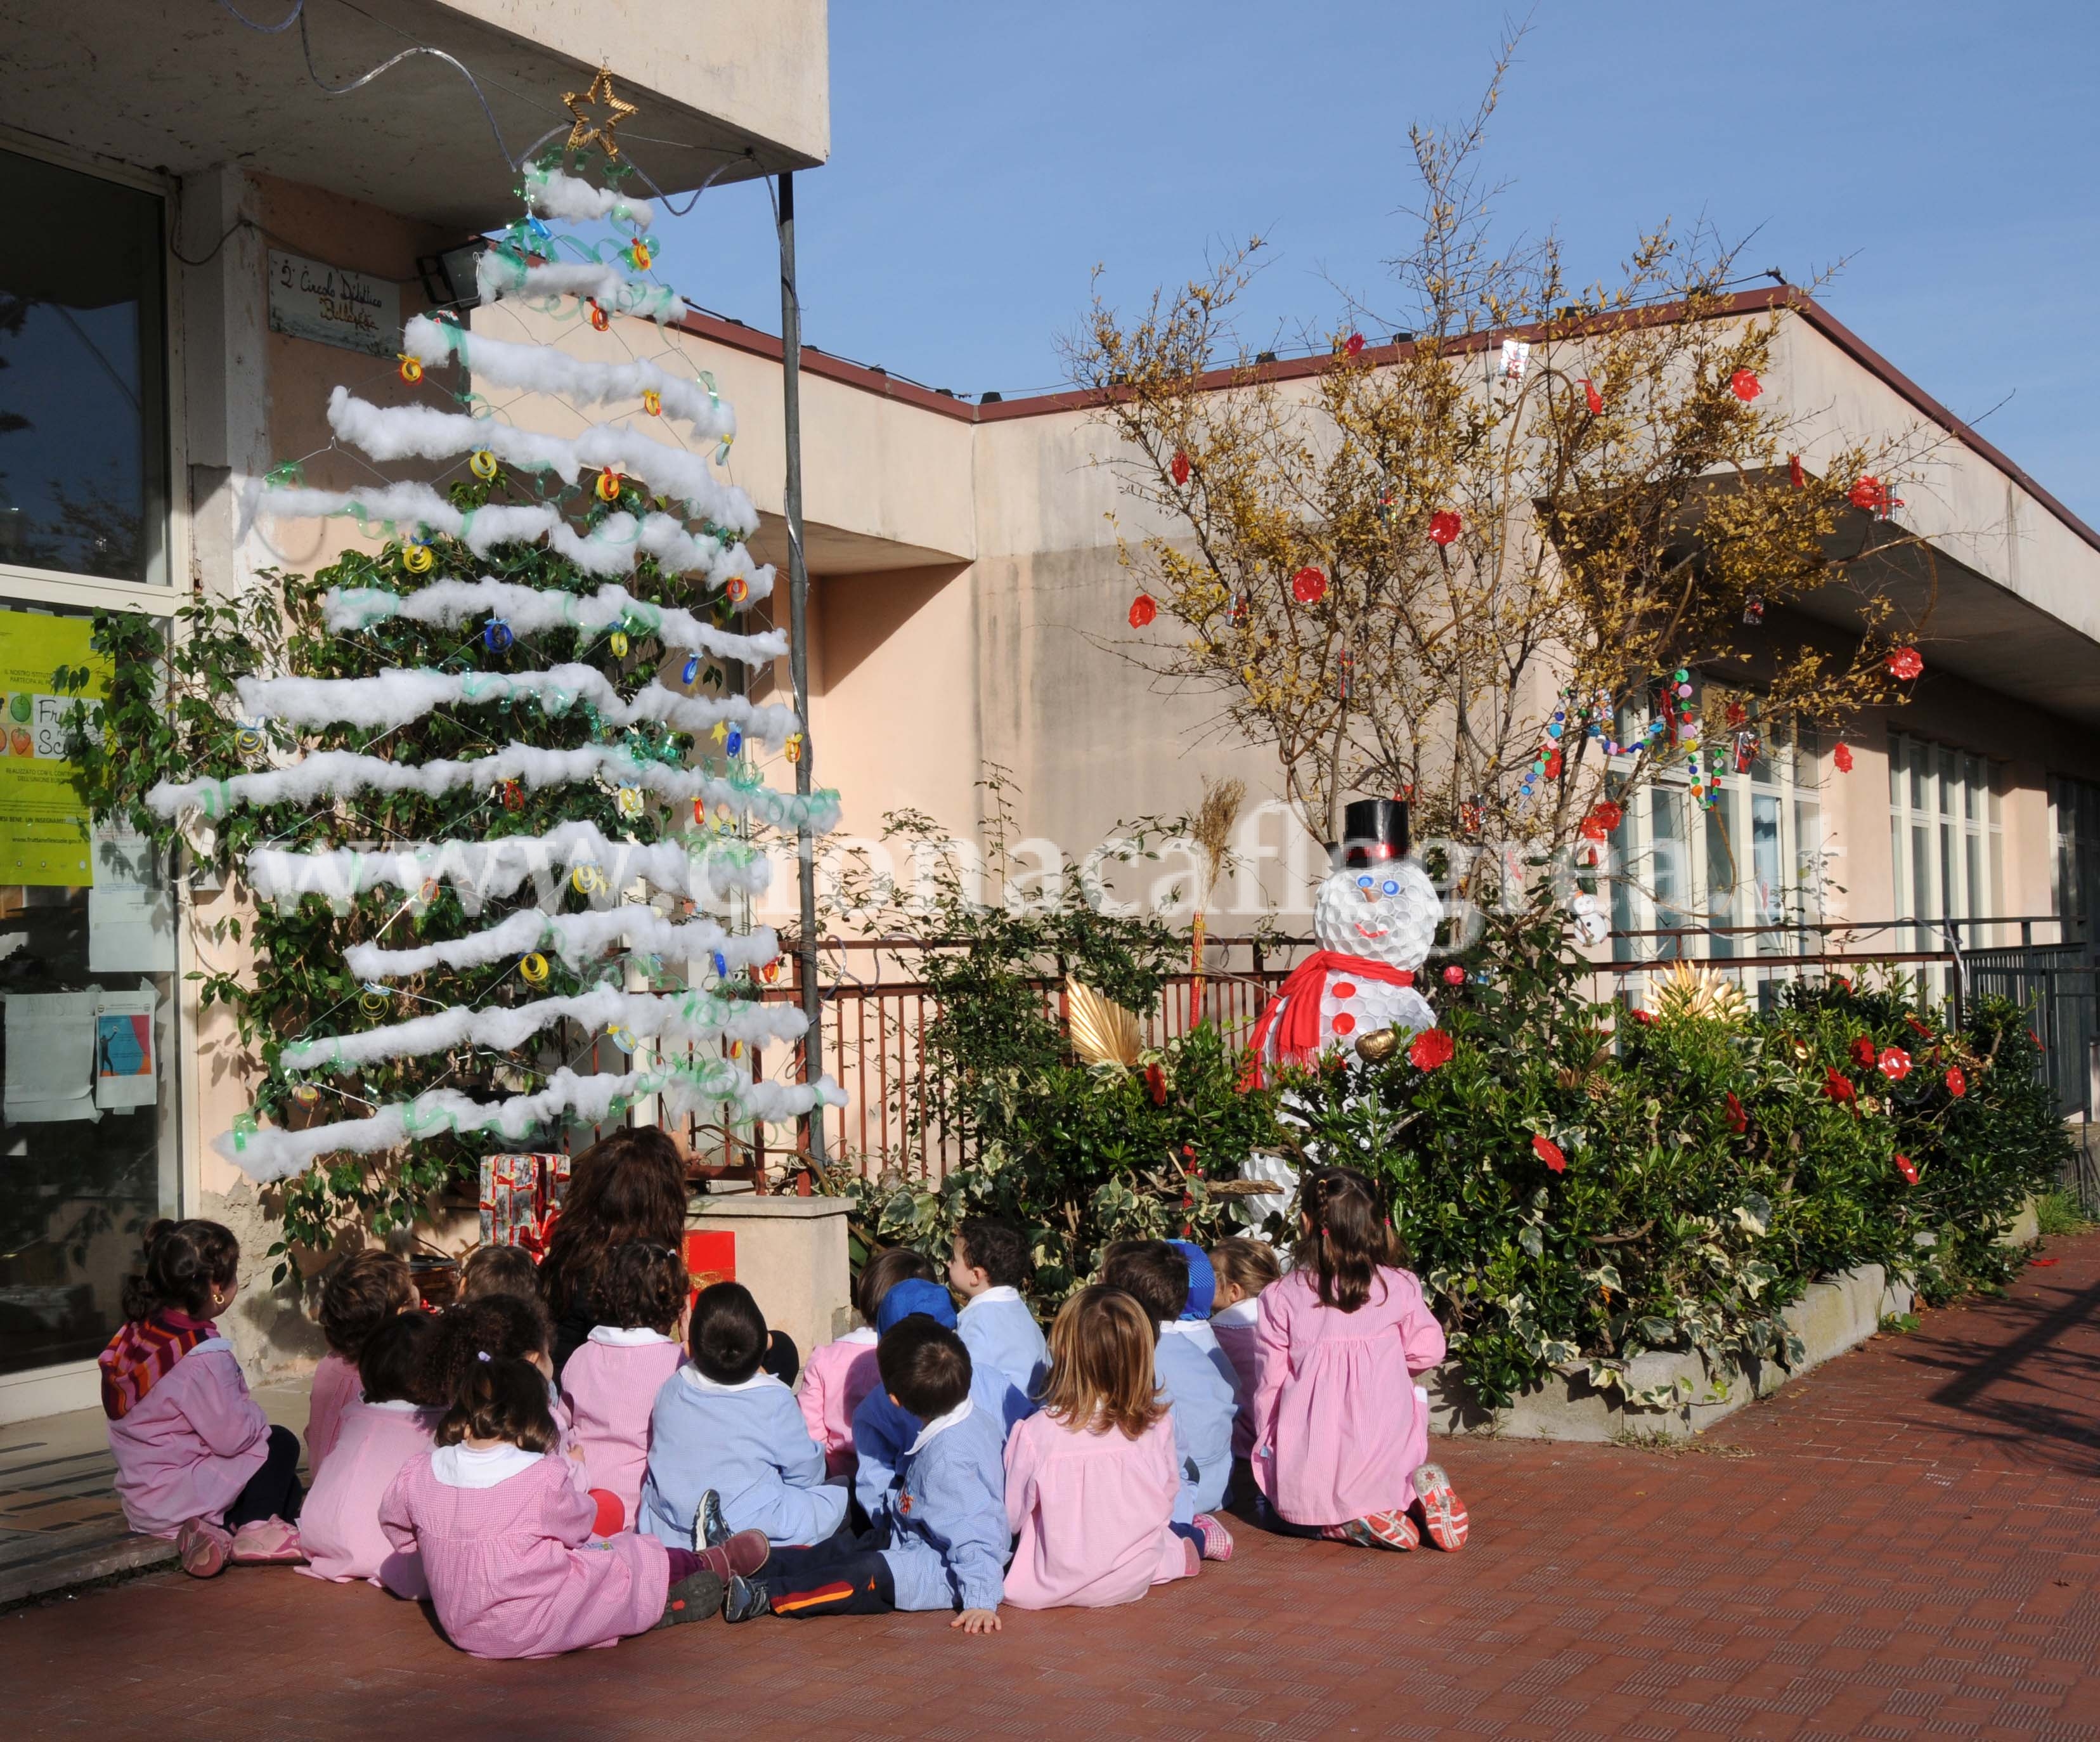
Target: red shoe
{"x":267,"y":1542}
{"x":203,"y":1548}
{"x":1383,"y":1530}
{"x":1443,"y":1512}
{"x":740,"y":1557}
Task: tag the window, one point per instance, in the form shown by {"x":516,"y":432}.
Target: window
{"x":83,"y":376}
{"x":1946,"y":845}
{"x":2074,"y":816}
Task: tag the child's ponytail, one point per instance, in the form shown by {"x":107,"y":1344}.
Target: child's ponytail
{"x":1347,"y":1237}
{"x":184,"y":1263}
{"x":500,"y":1397}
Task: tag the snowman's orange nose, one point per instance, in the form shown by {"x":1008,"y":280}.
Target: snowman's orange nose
{"x":1369,"y":891}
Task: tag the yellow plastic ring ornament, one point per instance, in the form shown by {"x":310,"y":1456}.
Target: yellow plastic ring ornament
{"x":534,"y":968}
{"x":430,"y":890}
{"x":587,"y":879}
{"x":639,"y":252}
{"x":599,"y":319}
{"x":652,"y":402}
{"x":608,"y":486}
{"x":629,"y":802}
{"x":412,"y":368}
{"x":372,"y":1003}
{"x":617,"y":640}
{"x":738,"y":590}
{"x":794,"y":747}
{"x":482,"y":464}
{"x":417,"y":559}
{"x":620,"y":1037}
{"x":248,"y":739}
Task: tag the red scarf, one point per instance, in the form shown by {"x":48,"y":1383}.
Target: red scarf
{"x":142,"y":1354}
{"x":1298,"y":1033}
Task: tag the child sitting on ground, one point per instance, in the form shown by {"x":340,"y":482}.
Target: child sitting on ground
{"x":499,"y":1270}
{"x":986,"y":1267}
{"x":948,"y":1544}
{"x":838,"y":1375}
{"x":725,"y":1431}
{"x":396,"y":1419}
{"x":1202,"y":1399}
{"x":1243,"y":1267}
{"x":1090,"y":1479}
{"x":505,"y":1531}
{"x":1339,"y":1438}
{"x":197,"y":1458}
{"x":361,"y":1294}
{"x":609,"y":1385}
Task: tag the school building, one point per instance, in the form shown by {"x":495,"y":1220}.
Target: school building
{"x":205,"y":240}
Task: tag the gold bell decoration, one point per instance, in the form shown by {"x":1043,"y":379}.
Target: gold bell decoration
{"x":1379,"y":1045}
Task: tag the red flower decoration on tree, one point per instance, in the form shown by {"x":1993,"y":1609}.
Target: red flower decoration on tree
{"x":1842,"y":756}
{"x":1353,"y":344}
{"x":1308,"y":586}
{"x":1863,"y":1052}
{"x":1155,"y":1083}
{"x":1794,"y":474}
{"x":1609,"y":812}
{"x":1957,"y":1085}
{"x":1645,"y":1018}
{"x":1179,"y":468}
{"x":1837,"y":1086}
{"x":1905,"y":663}
{"x":1907,"y":1168}
{"x":1430,"y":1048}
{"x":1591,"y":397}
{"x":1869,"y":493}
{"x":1592,"y":827}
{"x":1744,"y":385}
{"x":1142,"y":610}
{"x":1739,"y":1121}
{"x":1549,"y":1151}
{"x":1444,"y":526}
{"x":1894,"y":1064}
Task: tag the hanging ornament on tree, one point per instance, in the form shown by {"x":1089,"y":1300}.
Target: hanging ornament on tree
{"x":512,"y":793}
{"x":1242,"y":609}
{"x":629,"y":802}
{"x":1179,"y":469}
{"x":638,"y":252}
{"x":1794,"y":474}
{"x":617,"y":642}
{"x":692,"y":669}
{"x":793,"y":746}
{"x":1308,"y":586}
{"x":1842,"y":756}
{"x":652,"y":402}
{"x":1347,"y":670}
{"x":599,"y":319}
{"x":1591,"y":397}
{"x":734,"y":743}
{"x":496,"y":635}
{"x":248,"y":738}
{"x":738,"y":590}
{"x":1905,"y":664}
{"x":482,"y":464}
{"x":417,"y":559}
{"x":608,"y":486}
{"x":1753,"y":609}
{"x":1516,"y":355}
{"x":1444,"y":526}
{"x":534,"y":968}
{"x":412,"y":369}
{"x":1870,"y":493}
{"x":1353,"y":344}
{"x":1142,"y":610}
{"x":1472,"y":815}
{"x":1744,"y":385}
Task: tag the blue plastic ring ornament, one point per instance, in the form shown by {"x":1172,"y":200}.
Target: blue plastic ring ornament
{"x":692,"y":668}
{"x":498,"y":636}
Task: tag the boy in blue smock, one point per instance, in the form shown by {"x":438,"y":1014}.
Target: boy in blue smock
{"x":728,"y":1447}
{"x":1203,"y":1399}
{"x":986,"y":1267}
{"x":949,"y":1537}
{"x":882,"y":1429}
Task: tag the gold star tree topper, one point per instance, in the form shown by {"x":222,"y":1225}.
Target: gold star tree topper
{"x":586,"y":131}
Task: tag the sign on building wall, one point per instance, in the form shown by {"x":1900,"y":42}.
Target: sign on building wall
{"x":309,"y":300}
{"x":44,"y":834}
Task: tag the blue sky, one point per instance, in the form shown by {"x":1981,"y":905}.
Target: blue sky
{"x":986,"y":157}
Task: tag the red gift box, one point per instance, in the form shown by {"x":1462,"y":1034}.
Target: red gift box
{"x":521,"y":1196}
{"x":710,"y":1257}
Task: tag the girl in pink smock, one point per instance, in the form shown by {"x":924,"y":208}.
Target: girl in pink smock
{"x":609,"y":1384}
{"x":361,"y":1294}
{"x":839,"y":1375}
{"x":505,"y":1531}
{"x":395,"y":1418}
{"x":1244,"y":1267}
{"x":197,"y":1458}
{"x":1091,"y":1478}
{"x":1339,"y":1431}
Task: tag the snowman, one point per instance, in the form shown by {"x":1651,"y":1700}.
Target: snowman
{"x":1375,"y":918}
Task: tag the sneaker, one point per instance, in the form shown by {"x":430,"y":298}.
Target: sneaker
{"x":1383,"y":1530}
{"x":1443,"y":1512}
{"x":203,"y":1547}
{"x":746,"y":1600}
{"x":740,"y":1557}
{"x":1192,"y":1558}
{"x":692,"y":1599}
{"x":1217,"y":1539}
{"x":267,"y":1542}
{"x":710,"y":1530}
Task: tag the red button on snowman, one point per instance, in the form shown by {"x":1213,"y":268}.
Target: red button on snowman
{"x":1375,"y":918}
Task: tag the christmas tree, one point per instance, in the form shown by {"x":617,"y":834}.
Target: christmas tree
{"x":497,"y":789}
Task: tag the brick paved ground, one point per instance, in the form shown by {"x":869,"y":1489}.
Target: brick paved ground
{"x":1910,"y":1548}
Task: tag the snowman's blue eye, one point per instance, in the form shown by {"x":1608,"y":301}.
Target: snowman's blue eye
{"x":1390,"y":887}
{"x":1363,"y":883}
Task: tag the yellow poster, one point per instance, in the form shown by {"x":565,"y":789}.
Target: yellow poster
{"x":44,"y":834}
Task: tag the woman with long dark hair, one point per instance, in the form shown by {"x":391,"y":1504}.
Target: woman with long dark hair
{"x":630,"y":1186}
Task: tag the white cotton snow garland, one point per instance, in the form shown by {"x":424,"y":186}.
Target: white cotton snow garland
{"x":552,"y":194}
{"x":701,"y":867}
{"x":395,"y":696}
{"x":274,"y":1153}
{"x":576,"y":938}
{"x":422,"y":432}
{"x":337,"y":773}
{"x":500,"y":276}
{"x":534,"y":610}
{"x":610,"y":548}
{"x":677,"y":1018}
{"x":544,"y":369}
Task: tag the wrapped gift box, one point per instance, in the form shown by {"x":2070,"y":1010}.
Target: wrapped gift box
{"x":710,"y":1257}
{"x":521,"y":1195}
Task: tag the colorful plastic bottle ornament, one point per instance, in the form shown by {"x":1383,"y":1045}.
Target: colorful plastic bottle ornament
{"x":652,"y":402}
{"x":1842,"y":756}
{"x":496,"y":635}
{"x":794,"y":747}
{"x":771,"y":972}
{"x":1795,"y":476}
{"x":638,"y":252}
{"x":699,"y":813}
{"x":608,"y":486}
{"x":599,"y":319}
{"x":1142,"y":612}
{"x":617,"y":642}
{"x":1591,"y":397}
{"x":417,"y":559}
{"x":482,"y":464}
{"x":1869,"y":493}
{"x":1308,"y":586}
{"x":587,"y":879}
{"x":736,"y":1049}
{"x":1444,"y":526}
{"x":617,"y":1034}
{"x":429,"y":891}
{"x":243,"y":1128}
{"x":722,"y":965}
{"x":629,"y":802}
{"x":1347,"y":667}
{"x":412,"y":369}
{"x":1472,"y":815}
{"x":534,"y":968}
{"x":739,"y":588}
{"x":1178,"y":469}
{"x":1753,"y":611}
{"x":733,"y":741}
{"x":305,"y":1094}
{"x":373,"y":1003}
{"x":248,"y":738}
{"x":692,"y":669}
{"x":512,"y":792}
{"x":1242,"y":609}
{"x":1353,"y":345}
{"x":1744,"y":385}
{"x":1905,"y":663}
{"x":721,"y":453}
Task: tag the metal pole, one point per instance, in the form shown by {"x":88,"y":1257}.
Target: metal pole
{"x":798,"y":650}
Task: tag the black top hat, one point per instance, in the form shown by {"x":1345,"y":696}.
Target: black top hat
{"x":1373,"y":830}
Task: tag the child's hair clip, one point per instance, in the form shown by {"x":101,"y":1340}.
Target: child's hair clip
{"x":481,"y":1355}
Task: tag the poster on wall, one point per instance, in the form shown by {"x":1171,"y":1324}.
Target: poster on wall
{"x":125,"y":1077}
{"x":309,"y":299}
{"x":51,"y":1057}
{"x":44,"y":834}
